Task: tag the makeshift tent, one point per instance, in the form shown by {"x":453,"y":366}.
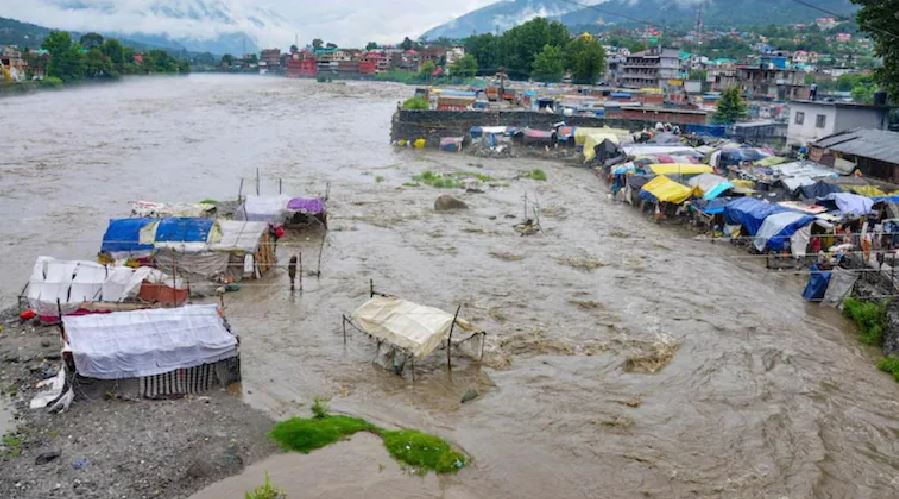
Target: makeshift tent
{"x":650,"y":149}
{"x":250,"y":247}
{"x":777,"y":229}
{"x":147,"y":342}
{"x":710,"y":186}
{"x":186,"y":234}
{"x":681,"y":169}
{"x":771,"y":161}
{"x":608,"y":140}
{"x":850,"y":204}
{"x":819,"y":189}
{"x":711,"y":207}
{"x":124,"y":236}
{"x":480,"y":131}
{"x":539,"y":137}
{"x":749,"y":213}
{"x":451,"y":144}
{"x":159,"y":210}
{"x":414,"y":328}
{"x":665,"y":190}
{"x":75,"y":282}
{"x":269,"y":209}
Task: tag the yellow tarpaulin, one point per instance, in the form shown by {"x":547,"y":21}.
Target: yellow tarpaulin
{"x":680,"y":169}
{"x":771,"y":161}
{"x":667,"y":190}
{"x":581,"y":133}
{"x":594,"y":139}
{"x":867,"y":190}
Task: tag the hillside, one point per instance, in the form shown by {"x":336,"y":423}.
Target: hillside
{"x":716,"y":13}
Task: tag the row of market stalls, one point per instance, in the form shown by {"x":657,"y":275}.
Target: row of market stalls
{"x":591,"y":143}
{"x":796,"y":211}
{"x":126,"y":317}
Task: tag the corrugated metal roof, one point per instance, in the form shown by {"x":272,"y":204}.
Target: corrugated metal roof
{"x":876,"y":144}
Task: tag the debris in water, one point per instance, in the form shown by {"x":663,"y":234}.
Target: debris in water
{"x":654,"y":358}
{"x":582,"y":263}
{"x":507,"y":256}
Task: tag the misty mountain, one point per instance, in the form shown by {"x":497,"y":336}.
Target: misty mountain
{"x":671,"y":13}
{"x":25,"y":35}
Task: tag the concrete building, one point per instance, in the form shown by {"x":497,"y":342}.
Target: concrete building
{"x":651,"y":68}
{"x":813,"y":120}
{"x":766,"y":81}
{"x":271,"y":58}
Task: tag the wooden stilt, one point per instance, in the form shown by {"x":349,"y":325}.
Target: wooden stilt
{"x":449,"y":339}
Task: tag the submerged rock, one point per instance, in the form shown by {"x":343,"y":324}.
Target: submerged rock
{"x":446,"y":202}
{"x":470,"y":395}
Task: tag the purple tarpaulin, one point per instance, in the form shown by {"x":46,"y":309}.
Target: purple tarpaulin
{"x":309,"y":206}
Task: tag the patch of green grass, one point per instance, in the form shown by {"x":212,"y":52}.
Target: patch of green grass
{"x":890,"y":365}
{"x":208,"y":201}
{"x":869,"y":316}
{"x":12,"y":445}
{"x":454,"y":180}
{"x":423,"y":451}
{"x":379,"y":179}
{"x":537,"y":174}
{"x":417,"y":103}
{"x":265,"y":491}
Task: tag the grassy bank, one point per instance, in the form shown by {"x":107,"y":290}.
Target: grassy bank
{"x":421,"y":451}
{"x":871,"y":319}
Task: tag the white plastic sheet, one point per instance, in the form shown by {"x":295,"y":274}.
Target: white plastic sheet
{"x":239,"y":235}
{"x":148,"y":342}
{"x":404,"y":324}
{"x":773,"y":225}
{"x":268,"y":209}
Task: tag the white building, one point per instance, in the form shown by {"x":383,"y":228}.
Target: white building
{"x":454,"y":54}
{"x":813,"y":120}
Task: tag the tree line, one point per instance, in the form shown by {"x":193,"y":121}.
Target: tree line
{"x":539,"y":49}
{"x":96,"y":57}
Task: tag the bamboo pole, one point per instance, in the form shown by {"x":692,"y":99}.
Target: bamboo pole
{"x":449,"y":339}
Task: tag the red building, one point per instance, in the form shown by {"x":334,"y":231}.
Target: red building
{"x":302,"y":65}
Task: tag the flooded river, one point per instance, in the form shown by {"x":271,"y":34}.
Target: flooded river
{"x":764,"y":396}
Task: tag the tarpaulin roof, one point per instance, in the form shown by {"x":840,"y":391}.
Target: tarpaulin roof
{"x":269,"y":209}
{"x":155,"y":209}
{"x":776,"y":230}
{"x":819,"y":189}
{"x":239,"y":235}
{"x":710,"y":186}
{"x":749,"y":213}
{"x":538,"y":134}
{"x":123,"y":235}
{"x":594,"y":139}
{"x":851,"y":204}
{"x":666,"y":190}
{"x":404,"y":324}
{"x":192,"y":230}
{"x":309,"y":206}
{"x":650,"y":149}
{"x":582,"y":132}
{"x":148,"y":342}
{"x":679,"y":169}
{"x":803,"y":169}
{"x":711,"y":207}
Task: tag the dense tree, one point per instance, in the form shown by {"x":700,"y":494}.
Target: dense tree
{"x":731,"y":107}
{"x":520,"y":45}
{"x":66,"y":62}
{"x":485,"y":49}
{"x":206,"y":58}
{"x":317,"y":43}
{"x":114,"y":51}
{"x":880,"y":18}
{"x":549,"y":65}
{"x":294,"y":49}
{"x":586,"y":59}
{"x":466,"y":67}
{"x":98,"y":65}
{"x":91,"y":40}
{"x":330,"y":45}
{"x":227,"y":60}
{"x":427,"y":68}
{"x":371,"y":46}
{"x":407,"y":44}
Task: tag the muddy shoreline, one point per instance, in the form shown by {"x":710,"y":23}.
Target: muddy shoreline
{"x":110,"y":444}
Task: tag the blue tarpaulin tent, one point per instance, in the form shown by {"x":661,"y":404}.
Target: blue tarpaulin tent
{"x":749,"y":213}
{"x":123,"y":235}
{"x":777,"y":229}
{"x":819,"y":189}
{"x":183,"y":230}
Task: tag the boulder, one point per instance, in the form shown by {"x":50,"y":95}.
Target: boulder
{"x":446,"y":202}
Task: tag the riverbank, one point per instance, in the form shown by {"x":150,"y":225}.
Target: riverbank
{"x":11,"y":89}
{"x":110,"y":444}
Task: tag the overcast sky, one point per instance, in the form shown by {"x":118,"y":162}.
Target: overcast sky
{"x":347,"y":23}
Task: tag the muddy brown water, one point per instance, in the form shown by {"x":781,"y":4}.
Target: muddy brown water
{"x":764,"y":396}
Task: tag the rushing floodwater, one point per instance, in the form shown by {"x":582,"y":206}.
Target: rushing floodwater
{"x":766,"y":396}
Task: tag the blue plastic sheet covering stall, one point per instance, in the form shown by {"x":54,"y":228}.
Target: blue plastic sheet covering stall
{"x":777,"y":229}
{"x":707,"y":130}
{"x":749,"y":213}
{"x":819,"y":189}
{"x":711,"y":207}
{"x":885,"y":199}
{"x":194,"y":230}
{"x":818,"y":281}
{"x":123,"y":235}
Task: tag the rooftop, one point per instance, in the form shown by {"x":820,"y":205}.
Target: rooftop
{"x":876,"y":144}
{"x":838,"y":104}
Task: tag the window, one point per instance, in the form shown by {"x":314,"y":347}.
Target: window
{"x":800,"y":118}
{"x":820,"y":121}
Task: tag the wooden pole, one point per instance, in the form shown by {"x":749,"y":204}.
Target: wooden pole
{"x":412,"y":360}
{"x":240,"y":192}
{"x":321,"y":249}
{"x":174,"y":273}
{"x":449,"y":339}
{"x":301,"y":270}
{"x":483,"y":339}
{"x":343,"y":317}
{"x":62,"y":331}
{"x":280,"y":187}
{"x":371,"y":287}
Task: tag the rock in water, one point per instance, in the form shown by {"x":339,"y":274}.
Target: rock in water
{"x":470,"y":395}
{"x":46,"y":457}
{"x":446,"y":202}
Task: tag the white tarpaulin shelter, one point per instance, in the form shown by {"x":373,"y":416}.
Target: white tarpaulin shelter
{"x":404,"y":324}
{"x":268,"y":209}
{"x":239,"y":235}
{"x":148,"y":342}
{"x":73,"y":282}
